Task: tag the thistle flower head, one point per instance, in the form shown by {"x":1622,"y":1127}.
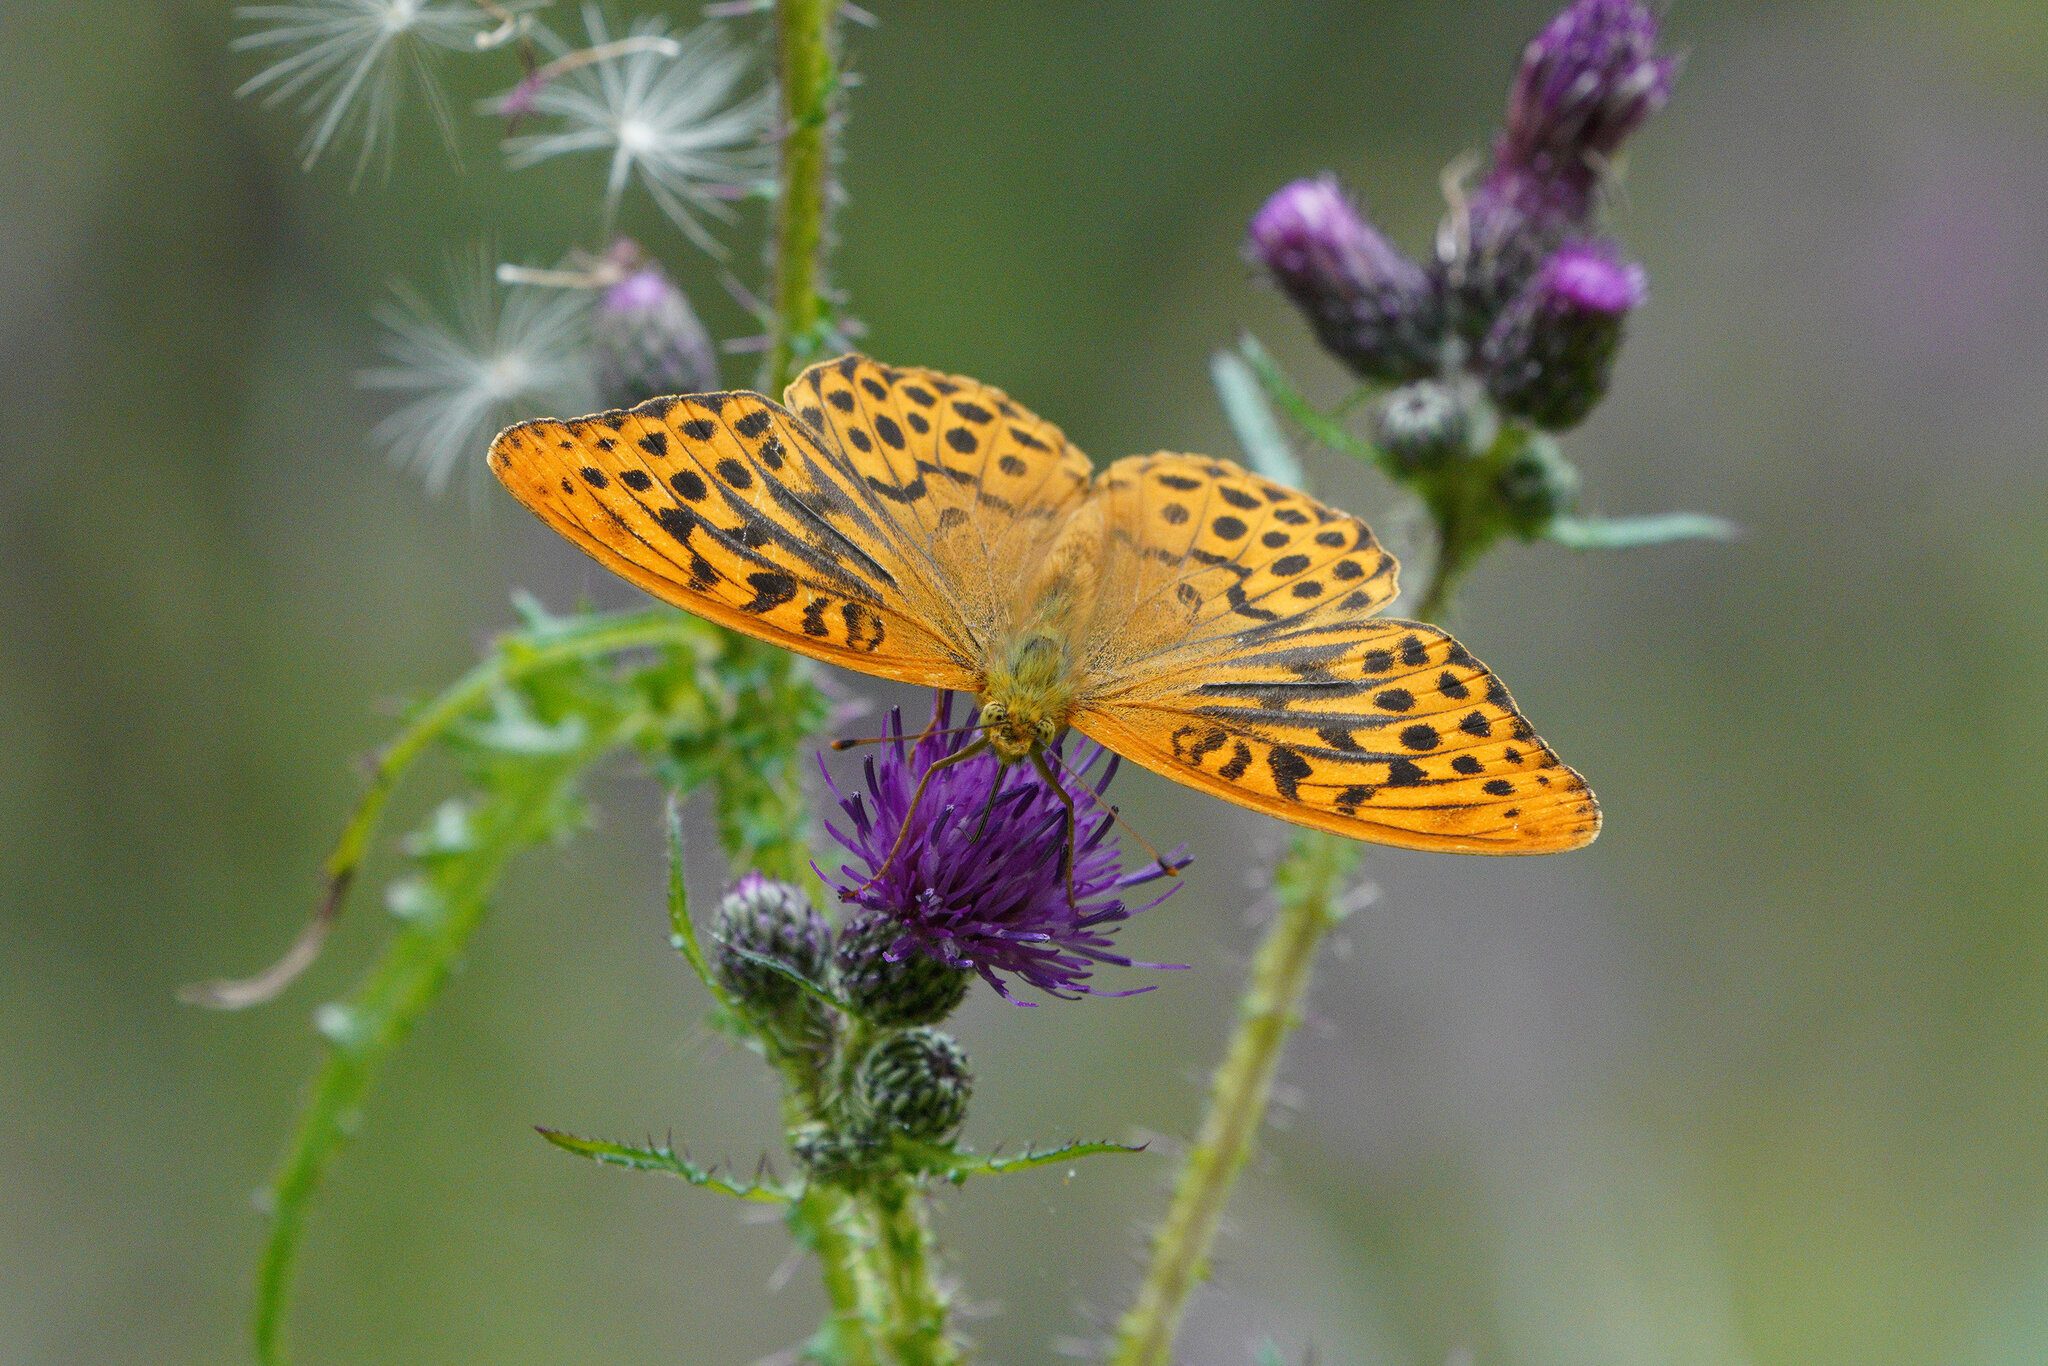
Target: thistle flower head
{"x":1370,"y":305}
{"x":1586,"y":83}
{"x":666,"y":115}
{"x":1549,"y":355}
{"x":350,"y":62}
{"x":645,"y":337}
{"x":977,"y":882}
{"x":500,"y":354}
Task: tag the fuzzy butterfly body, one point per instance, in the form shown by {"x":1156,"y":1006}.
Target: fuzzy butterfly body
{"x":1195,"y":618}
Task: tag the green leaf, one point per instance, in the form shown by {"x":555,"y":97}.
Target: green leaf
{"x":682,"y":931}
{"x":666,"y":1160}
{"x":1258,"y":431}
{"x":957,"y":1164}
{"x":1320,"y":426}
{"x":1629,"y":533}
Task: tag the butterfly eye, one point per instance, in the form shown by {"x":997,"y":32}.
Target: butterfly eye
{"x":994,"y":714}
{"x":1046,"y":730}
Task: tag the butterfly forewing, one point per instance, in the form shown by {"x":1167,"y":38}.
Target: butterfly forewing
{"x":728,"y":506}
{"x":1257,"y":673}
{"x":985,"y":484}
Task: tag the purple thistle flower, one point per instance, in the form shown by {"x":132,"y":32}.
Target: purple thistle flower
{"x":1586,"y":83}
{"x":1371,"y":306}
{"x":996,"y":904}
{"x":645,"y":337}
{"x":1550,"y":354}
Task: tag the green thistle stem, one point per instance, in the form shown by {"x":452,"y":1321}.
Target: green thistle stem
{"x":1310,"y":879}
{"x":916,"y":1328}
{"x":808,"y":78}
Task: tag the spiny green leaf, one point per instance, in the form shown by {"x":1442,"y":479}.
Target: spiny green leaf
{"x":957,"y":1164}
{"x":663,"y":1159}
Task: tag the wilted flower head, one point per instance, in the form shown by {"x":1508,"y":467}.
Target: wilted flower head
{"x":645,"y":337}
{"x":350,"y":61}
{"x":502,"y":354}
{"x":1551,"y":352}
{"x":1370,"y":305}
{"x":665,"y":113}
{"x":991,"y":897}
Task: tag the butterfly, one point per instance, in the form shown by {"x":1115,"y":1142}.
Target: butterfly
{"x":1186,"y":613}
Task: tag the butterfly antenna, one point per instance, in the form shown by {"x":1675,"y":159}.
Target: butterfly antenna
{"x":1117,"y":817}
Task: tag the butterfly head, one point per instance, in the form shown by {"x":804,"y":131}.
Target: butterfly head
{"x":1016,"y":730}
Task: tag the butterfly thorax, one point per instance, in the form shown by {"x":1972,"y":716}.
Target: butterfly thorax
{"x":1033,"y":680}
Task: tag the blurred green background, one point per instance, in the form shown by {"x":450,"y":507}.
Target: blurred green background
{"x":1760,"y":1078}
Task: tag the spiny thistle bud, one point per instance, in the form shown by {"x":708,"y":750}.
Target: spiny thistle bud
{"x":827,"y":1154}
{"x":1586,"y":83}
{"x":891,"y":982}
{"x":1551,"y":352}
{"x":645,"y":338}
{"x":1422,"y":425}
{"x":1371,"y":307}
{"x":916,"y":1084}
{"x":759,"y":919}
{"x":1538,"y":486}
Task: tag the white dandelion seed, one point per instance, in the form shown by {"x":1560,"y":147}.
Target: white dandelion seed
{"x":506,"y":353}
{"x":350,"y":62}
{"x":668,"y":115}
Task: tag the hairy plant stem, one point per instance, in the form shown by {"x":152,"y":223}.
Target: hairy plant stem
{"x":808,"y":78}
{"x":916,"y":1323}
{"x":1311,"y":879}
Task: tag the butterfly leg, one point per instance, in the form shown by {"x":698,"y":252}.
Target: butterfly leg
{"x":1059,"y":790}
{"x":916,"y":796}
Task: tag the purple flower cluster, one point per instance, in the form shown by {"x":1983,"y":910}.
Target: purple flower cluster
{"x":1519,"y":263}
{"x":978,"y":880}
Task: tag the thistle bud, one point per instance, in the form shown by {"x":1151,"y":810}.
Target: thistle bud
{"x":826,"y":1154}
{"x":1422,"y":425}
{"x":889,"y":981}
{"x":916,"y":1084}
{"x":1371,"y":307}
{"x":1551,"y":352}
{"x":1538,"y":486}
{"x":762,"y":921}
{"x":646,"y":339}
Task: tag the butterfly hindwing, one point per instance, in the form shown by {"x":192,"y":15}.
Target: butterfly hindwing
{"x":726,"y":505}
{"x":1261,"y":675}
{"x":1203,"y":555}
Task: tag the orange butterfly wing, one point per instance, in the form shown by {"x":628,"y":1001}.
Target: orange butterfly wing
{"x":984,"y":485}
{"x":1255,"y":671}
{"x":729,"y":507}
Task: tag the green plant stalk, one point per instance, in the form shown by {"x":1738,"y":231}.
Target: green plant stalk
{"x":827,"y":1221}
{"x":808,"y":78}
{"x":387,"y":1005}
{"x":1311,"y":878}
{"x":916,"y":1322}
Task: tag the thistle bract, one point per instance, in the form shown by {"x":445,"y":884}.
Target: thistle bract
{"x":977,"y":881}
